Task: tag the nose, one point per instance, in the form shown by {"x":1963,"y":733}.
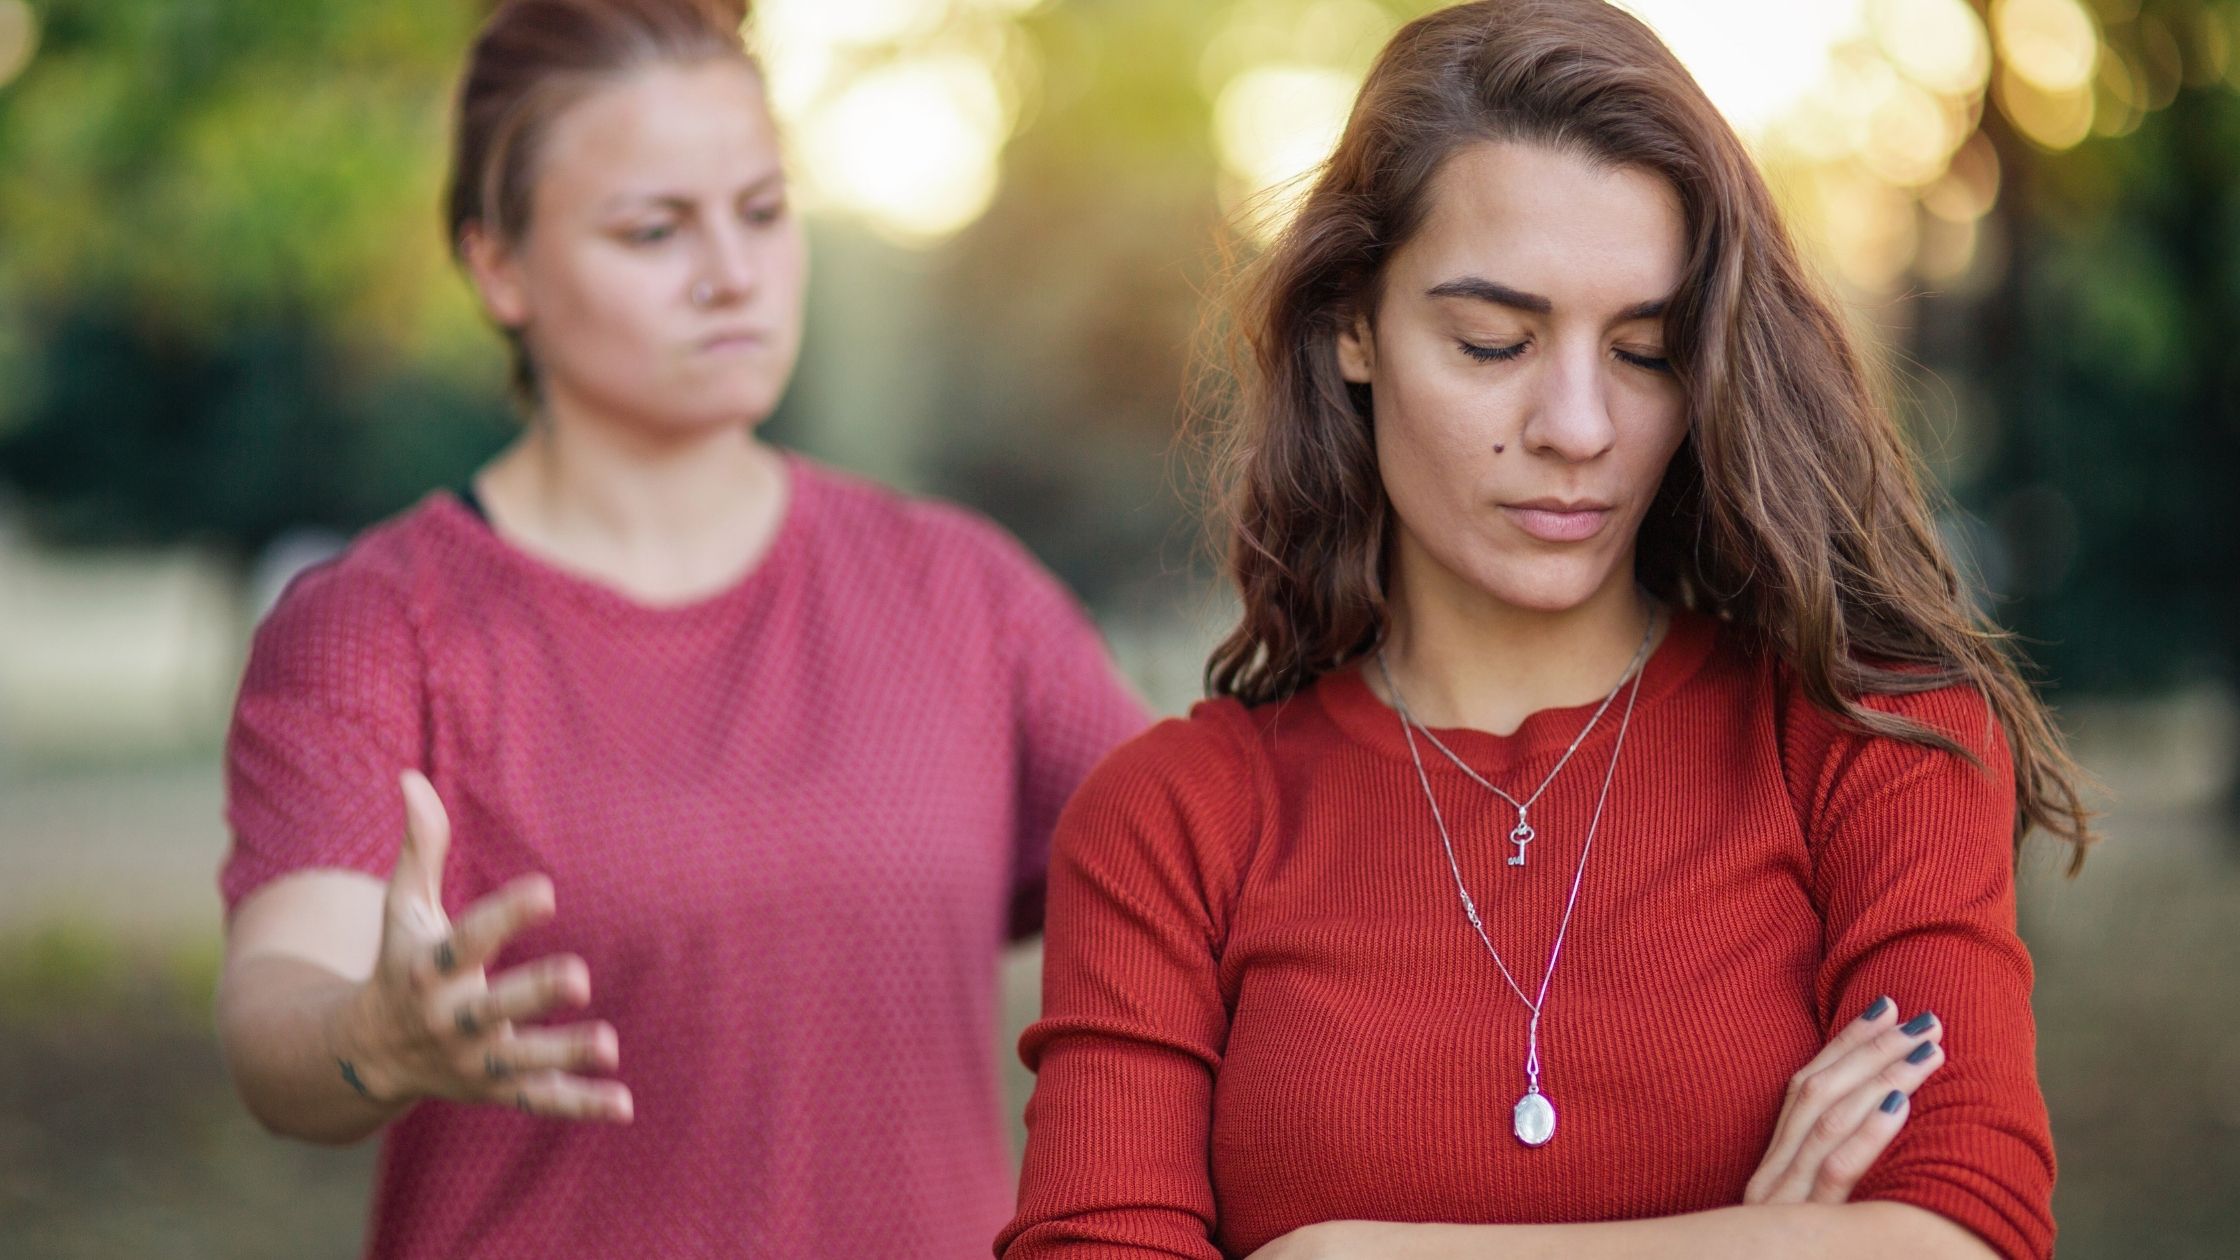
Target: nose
{"x":1570,"y":418}
{"x":727,"y":269}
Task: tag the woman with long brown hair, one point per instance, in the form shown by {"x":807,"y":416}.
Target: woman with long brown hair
{"x":726,"y":776}
{"x":1602,"y":838}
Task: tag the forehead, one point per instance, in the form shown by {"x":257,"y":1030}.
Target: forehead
{"x":1590,"y":235}
{"x":666,"y":129}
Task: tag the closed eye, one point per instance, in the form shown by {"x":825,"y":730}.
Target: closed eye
{"x":1492,"y":354}
{"x":1647,"y":362}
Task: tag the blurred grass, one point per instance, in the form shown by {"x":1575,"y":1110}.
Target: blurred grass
{"x":119,"y":1132}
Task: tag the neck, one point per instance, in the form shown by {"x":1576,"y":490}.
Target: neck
{"x":1466,"y":659}
{"x":661,"y":516}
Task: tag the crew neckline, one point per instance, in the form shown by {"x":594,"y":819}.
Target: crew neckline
{"x":462,"y":518}
{"x":1364,"y":717}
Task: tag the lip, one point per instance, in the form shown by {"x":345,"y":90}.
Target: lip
{"x":735,"y":339}
{"x":1559,"y":520}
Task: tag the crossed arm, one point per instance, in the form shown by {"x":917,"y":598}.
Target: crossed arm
{"x":1868,"y":1231}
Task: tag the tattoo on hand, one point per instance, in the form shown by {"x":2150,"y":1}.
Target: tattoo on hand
{"x":350,"y":1074}
{"x":446,"y":959}
{"x":493,"y":1066}
{"x":468,"y":1024}
{"x":521,"y":1100}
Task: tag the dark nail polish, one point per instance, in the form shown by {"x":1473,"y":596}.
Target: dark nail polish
{"x":1881,"y":1004}
{"x":1918,"y":1025}
{"x":1891,"y":1103}
{"x":1922,"y":1051}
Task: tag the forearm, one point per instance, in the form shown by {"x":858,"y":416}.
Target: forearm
{"x":1868,"y":1231}
{"x":296,"y":1039}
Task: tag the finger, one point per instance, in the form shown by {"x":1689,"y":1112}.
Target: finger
{"x":1880,"y":1014}
{"x":1842,"y":1168}
{"x":579,"y":1048}
{"x":1833,"y":1124}
{"x":484,"y":927}
{"x":1862,"y":1050}
{"x":559,"y":1096}
{"x":427,"y":844}
{"x":533,"y":989}
{"x":1842,"y":1120}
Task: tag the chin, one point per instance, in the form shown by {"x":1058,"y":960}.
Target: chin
{"x":1541,"y":586}
{"x":721,"y":409}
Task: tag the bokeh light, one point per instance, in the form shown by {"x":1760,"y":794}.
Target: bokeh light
{"x":19,"y":38}
{"x":2052,"y":45}
{"x":1939,"y":44}
{"x":1273,"y":125}
{"x":911,"y":145}
{"x":898,"y":110}
{"x":2056,"y":118}
{"x":1281,"y":76}
{"x":1756,"y":59}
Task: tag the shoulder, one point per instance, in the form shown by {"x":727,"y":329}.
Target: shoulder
{"x":927,"y":543}
{"x":1199,"y":782}
{"x":856,"y":507}
{"x":1835,"y":764}
{"x":1958,"y":710}
{"x":1213,"y":749}
{"x":372,"y":587}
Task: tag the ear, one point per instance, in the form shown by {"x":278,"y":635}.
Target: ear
{"x":496,"y":274}
{"x":1357,"y":350}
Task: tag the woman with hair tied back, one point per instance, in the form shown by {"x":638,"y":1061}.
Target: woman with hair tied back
{"x":1601,"y":840}
{"x":725,"y":777}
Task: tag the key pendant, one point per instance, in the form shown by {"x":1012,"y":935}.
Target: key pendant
{"x":1535,"y":1118}
{"x":1521,"y":837}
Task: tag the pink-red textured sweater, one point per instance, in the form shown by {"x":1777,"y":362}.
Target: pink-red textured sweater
{"x":791,"y":826}
{"x":1263,"y":1006}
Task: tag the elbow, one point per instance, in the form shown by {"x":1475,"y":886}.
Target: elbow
{"x":1917,"y":1231}
{"x":266,"y":1093}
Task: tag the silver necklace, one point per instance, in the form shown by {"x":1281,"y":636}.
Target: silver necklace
{"x":1534,"y":1118}
{"x":1523,"y":834}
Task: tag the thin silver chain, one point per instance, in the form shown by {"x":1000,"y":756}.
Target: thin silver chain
{"x":1408,"y":728}
{"x":1524,"y":807}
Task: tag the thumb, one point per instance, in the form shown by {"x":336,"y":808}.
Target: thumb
{"x":427,"y":843}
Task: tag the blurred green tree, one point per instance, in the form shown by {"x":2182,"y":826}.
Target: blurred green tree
{"x":225,"y":306}
{"x":2103,"y":371}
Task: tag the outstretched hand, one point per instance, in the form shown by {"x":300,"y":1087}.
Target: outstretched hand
{"x":435,"y":1024}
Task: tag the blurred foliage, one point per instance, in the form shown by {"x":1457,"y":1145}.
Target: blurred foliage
{"x":2099,"y":377}
{"x":77,"y":963}
{"x":225,"y":308}
{"x":60,"y":966}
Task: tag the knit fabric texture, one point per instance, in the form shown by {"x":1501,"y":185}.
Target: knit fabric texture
{"x":791,"y":826}
{"x":1263,"y":1005}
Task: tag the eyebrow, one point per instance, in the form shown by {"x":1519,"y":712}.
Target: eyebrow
{"x":1480,"y":289}
{"x":672,"y":201}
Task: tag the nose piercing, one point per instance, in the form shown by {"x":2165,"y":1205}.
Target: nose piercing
{"x":703,"y":294}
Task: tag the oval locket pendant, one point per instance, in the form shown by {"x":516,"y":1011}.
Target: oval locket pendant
{"x":1535,"y":1119}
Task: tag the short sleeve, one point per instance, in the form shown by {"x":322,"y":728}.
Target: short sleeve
{"x":1070,"y":707}
{"x":1134,"y":1023}
{"x":1913,"y":870}
{"x":331,"y":710}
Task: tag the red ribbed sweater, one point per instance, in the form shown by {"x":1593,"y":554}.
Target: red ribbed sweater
{"x":1263,"y":1006}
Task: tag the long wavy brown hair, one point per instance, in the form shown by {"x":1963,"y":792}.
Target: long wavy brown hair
{"x":1794,"y":509}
